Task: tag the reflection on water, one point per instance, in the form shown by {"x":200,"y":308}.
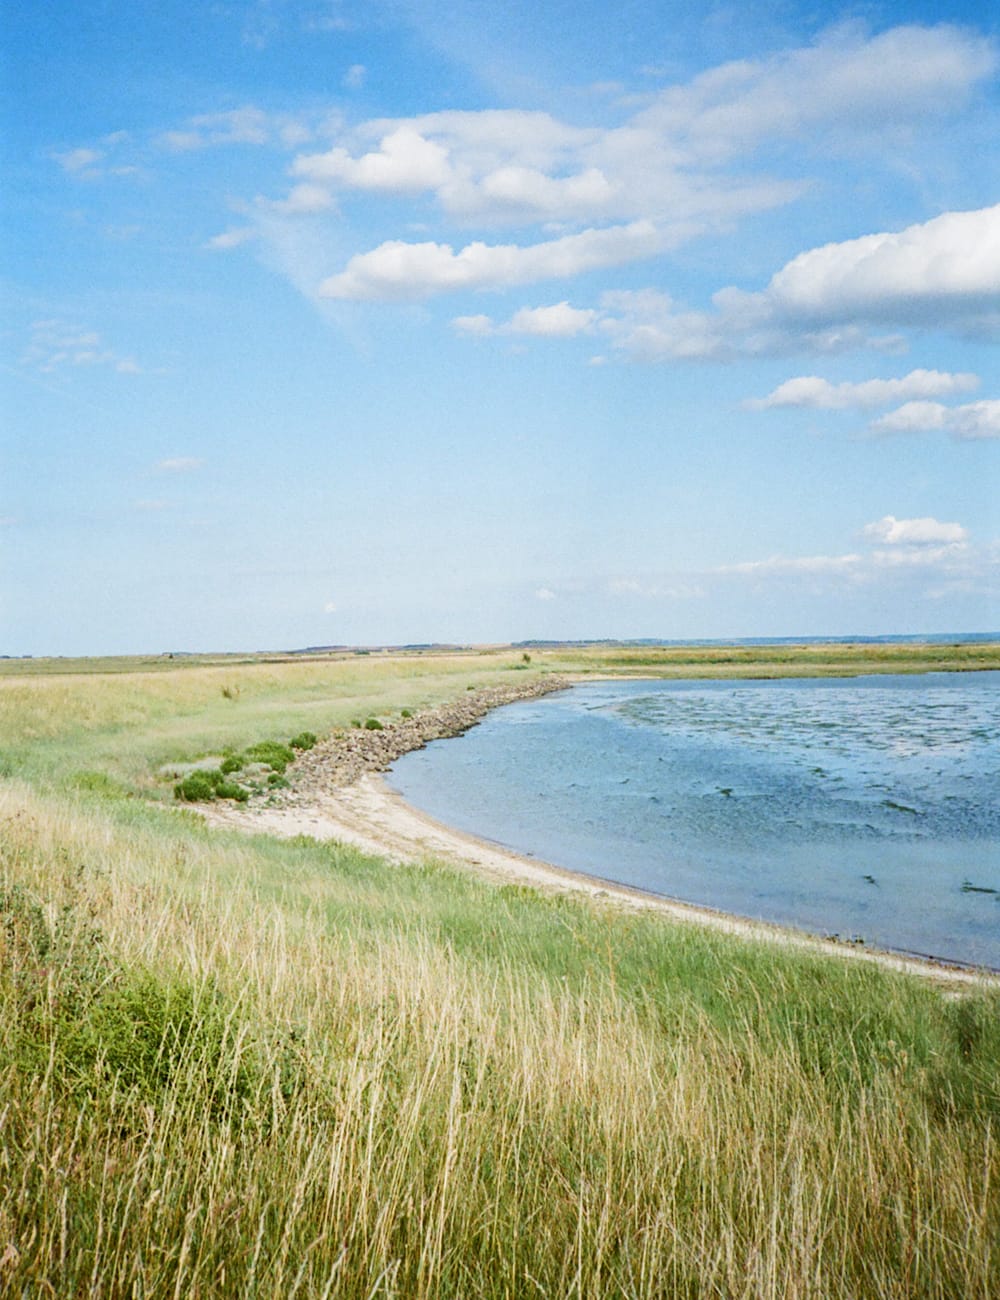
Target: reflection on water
{"x":863,"y":807}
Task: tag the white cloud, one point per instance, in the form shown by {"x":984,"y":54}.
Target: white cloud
{"x":179,"y":464}
{"x":247,"y":125}
{"x":943,"y":274}
{"x":918,"y":557}
{"x":848,"y":84}
{"x":973,"y":420}
{"x":545,"y":593}
{"x":814,"y":392}
{"x":665,"y":162}
{"x":232,"y":238}
{"x":55,"y":344}
{"x":558,"y":321}
{"x":952,"y":261}
{"x":329,"y":607}
{"x":354,"y":77}
{"x":476,"y":326}
{"x":404,"y":162}
{"x":79,"y":162}
{"x":803,"y":564}
{"x":397,"y":271}
{"x":913,"y":532}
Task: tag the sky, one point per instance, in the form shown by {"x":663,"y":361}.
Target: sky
{"x":327,"y":322}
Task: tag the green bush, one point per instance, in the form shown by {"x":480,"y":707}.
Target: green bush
{"x":273,"y":753}
{"x":304,"y":740}
{"x":197,"y":787}
{"x":373,"y":724}
{"x":230,"y":764}
{"x":406,"y":713}
{"x":203,"y":785}
{"x":230,"y":790}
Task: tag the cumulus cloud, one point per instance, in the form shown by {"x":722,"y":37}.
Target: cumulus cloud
{"x":665,"y":161}
{"x":398,"y":271}
{"x":819,"y":394}
{"x":405,"y":161}
{"x":944,"y":273}
{"x":951,"y":262}
{"x":971,"y":421}
{"x":558,"y":321}
{"x":545,"y":593}
{"x":913,"y":532}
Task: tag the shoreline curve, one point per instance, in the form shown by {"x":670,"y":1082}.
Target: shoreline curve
{"x":338,"y":793}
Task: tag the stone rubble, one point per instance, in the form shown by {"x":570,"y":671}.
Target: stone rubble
{"x":350,"y":753}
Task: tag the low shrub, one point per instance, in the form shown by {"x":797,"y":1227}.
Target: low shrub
{"x":197,"y":787}
{"x":230,"y":764}
{"x":272,"y":753}
{"x":204,"y":785}
{"x":304,"y":740}
{"x":406,"y":713}
{"x":373,"y":724}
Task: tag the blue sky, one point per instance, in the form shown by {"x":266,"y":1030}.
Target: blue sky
{"x":328,"y":322}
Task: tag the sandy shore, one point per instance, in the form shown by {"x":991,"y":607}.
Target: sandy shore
{"x":371,"y":816}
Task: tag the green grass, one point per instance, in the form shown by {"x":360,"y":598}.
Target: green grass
{"x":237,"y":1066}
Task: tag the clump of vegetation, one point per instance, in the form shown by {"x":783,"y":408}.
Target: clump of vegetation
{"x":272,"y":753}
{"x":74,"y":1014}
{"x":98,"y":783}
{"x":304,"y":740}
{"x":373,"y":724}
{"x":206,"y":784}
{"x":231,"y":763}
{"x":406,"y":713}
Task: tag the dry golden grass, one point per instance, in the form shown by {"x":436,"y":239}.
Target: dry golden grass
{"x":232,"y":1066}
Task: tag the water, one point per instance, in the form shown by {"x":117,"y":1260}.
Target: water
{"x":863,"y":807}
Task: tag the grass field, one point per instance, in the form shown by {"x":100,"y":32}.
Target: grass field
{"x":236,"y":1066}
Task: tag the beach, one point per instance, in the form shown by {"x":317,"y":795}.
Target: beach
{"x":337,"y":793}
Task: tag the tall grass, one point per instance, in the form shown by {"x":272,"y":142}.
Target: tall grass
{"x":234,"y":1066}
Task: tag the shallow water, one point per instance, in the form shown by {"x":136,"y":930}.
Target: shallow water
{"x":865,"y":807}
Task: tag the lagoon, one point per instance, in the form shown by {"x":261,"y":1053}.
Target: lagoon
{"x":862,"y":807}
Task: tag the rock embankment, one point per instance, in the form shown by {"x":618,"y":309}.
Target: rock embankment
{"x":350,"y":753}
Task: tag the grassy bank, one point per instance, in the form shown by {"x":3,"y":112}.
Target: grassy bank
{"x":239,"y":1066}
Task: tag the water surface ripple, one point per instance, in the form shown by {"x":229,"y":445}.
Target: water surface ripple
{"x":864,"y":807}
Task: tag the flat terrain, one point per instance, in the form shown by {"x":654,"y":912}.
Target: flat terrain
{"x":239,"y":1064}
